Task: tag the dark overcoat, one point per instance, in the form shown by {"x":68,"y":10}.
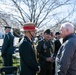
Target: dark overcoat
{"x":8,"y":49}
{"x":29,"y":65}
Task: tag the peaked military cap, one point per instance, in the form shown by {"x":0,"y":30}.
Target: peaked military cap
{"x":7,"y":27}
{"x":47,"y":31}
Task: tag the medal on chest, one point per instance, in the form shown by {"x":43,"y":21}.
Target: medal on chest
{"x":45,"y":47}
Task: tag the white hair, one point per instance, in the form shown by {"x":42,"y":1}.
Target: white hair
{"x":68,"y":26}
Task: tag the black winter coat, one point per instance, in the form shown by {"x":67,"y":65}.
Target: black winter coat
{"x":29,"y":65}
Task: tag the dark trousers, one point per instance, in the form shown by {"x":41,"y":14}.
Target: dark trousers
{"x":53,"y":70}
{"x":45,"y":71}
{"x":7,"y":60}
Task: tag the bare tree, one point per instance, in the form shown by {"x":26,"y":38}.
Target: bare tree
{"x":38,"y":11}
{"x":41,"y":12}
{"x":4,"y":21}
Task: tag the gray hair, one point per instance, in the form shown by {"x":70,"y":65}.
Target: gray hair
{"x":68,"y":26}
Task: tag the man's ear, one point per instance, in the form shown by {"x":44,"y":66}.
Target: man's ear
{"x":67,"y":30}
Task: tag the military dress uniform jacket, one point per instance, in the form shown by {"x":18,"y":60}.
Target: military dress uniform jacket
{"x":44,"y":50}
{"x":7,"y":47}
{"x":66,"y":57}
{"x":29,"y":66}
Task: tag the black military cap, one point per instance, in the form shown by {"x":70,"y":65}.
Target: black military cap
{"x":47,"y":31}
{"x":7,"y":27}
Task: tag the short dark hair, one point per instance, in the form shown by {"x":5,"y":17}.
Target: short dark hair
{"x":57,"y":33}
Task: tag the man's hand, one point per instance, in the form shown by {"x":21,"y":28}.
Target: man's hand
{"x":49,"y":59}
{"x":39,"y":69}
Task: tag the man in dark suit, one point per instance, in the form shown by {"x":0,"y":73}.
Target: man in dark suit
{"x":7,"y":47}
{"x":44,"y":52}
{"x":57,"y":43}
{"x":57,"y":46}
{"x":29,"y":65}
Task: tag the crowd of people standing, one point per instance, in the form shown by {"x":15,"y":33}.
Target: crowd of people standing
{"x":51,"y":57}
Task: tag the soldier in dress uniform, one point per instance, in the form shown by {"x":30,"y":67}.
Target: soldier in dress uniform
{"x":29,"y":65}
{"x":44,"y":51}
{"x":8,"y":47}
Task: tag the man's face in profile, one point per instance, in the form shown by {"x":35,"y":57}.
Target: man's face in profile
{"x":63,"y":32}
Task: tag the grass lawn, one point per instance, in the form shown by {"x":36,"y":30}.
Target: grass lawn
{"x":16,"y":62}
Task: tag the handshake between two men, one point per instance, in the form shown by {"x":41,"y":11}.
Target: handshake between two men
{"x":48,"y":59}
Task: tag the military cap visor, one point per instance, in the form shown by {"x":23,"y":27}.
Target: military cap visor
{"x":7,"y":27}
